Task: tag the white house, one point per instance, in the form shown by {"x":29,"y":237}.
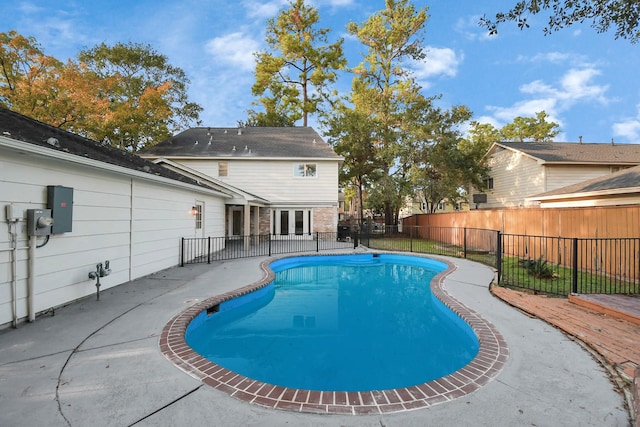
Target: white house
{"x":107,"y":205}
{"x":520,"y":170}
{"x":286,"y":177}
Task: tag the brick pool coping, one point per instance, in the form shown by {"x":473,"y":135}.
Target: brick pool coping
{"x":491,"y":357}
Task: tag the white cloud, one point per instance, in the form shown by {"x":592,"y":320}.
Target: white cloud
{"x":262,"y":9}
{"x":234,"y":49}
{"x":469,"y":27}
{"x":338,"y":3}
{"x":575,"y":86}
{"x":439,"y":62}
{"x":628,"y":128}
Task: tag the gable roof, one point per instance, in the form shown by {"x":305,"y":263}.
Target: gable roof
{"x":248,"y":143}
{"x":624,"y":181}
{"x":33,"y":135}
{"x":575,"y":153}
{"x":241,"y":196}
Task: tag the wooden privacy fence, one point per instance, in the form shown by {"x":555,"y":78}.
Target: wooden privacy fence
{"x":594,"y":222}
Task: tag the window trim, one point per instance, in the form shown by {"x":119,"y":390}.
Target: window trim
{"x":305,"y":167}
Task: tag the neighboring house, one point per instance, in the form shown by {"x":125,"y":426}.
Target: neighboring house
{"x":520,"y":170}
{"x":116,"y":206}
{"x":287,"y":177}
{"x":619,"y":188}
{"x":414,"y":206}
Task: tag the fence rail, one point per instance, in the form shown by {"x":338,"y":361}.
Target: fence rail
{"x":551,"y":265}
{"x":206,"y":249}
{"x":559,"y":265}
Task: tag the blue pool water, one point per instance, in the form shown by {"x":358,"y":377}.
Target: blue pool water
{"x":339,"y":323}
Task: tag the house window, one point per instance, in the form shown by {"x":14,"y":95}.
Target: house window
{"x":284,"y":223}
{"x":305,"y":169}
{"x":198,"y":215}
{"x":488,"y":182}
{"x":441,"y":206}
{"x":299,"y":216}
{"x":223,"y":168}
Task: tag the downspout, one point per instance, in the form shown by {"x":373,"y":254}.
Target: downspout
{"x":31,"y":279}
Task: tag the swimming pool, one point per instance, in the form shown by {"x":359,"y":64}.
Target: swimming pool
{"x":348,"y":323}
{"x":491,"y":357}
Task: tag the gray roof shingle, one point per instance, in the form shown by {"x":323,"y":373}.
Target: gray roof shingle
{"x":248,"y":142}
{"x":568,"y":152}
{"x":30,"y":131}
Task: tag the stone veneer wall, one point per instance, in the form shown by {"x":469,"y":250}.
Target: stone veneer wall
{"x":325,"y":220}
{"x":264,"y":223}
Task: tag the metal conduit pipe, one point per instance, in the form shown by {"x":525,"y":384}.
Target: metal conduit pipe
{"x":14,"y":271}
{"x":32,"y":278}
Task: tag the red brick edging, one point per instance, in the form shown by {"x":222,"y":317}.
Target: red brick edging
{"x":490,"y":359}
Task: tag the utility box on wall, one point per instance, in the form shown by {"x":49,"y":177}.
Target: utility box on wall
{"x":60,"y":201}
{"x":39,"y":222}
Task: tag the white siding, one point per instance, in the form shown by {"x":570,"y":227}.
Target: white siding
{"x":134,"y":223}
{"x":274,"y":179}
{"x":559,"y":176}
{"x":515,"y":176}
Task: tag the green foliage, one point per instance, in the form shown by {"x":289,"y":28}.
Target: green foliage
{"x":126,"y":95}
{"x":530,"y":129}
{"x":293,"y":78}
{"x":622,"y":15}
{"x":352,"y":135}
{"x":384,"y":89}
{"x":147,"y":100}
{"x":522,"y":129}
{"x":538,"y":268}
{"x":441,"y":163}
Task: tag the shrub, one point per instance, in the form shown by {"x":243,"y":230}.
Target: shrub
{"x":538,"y":268}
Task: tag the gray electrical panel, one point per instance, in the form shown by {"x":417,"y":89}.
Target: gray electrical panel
{"x":60,"y":201}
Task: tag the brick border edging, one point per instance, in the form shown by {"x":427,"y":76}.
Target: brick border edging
{"x":491,"y":358}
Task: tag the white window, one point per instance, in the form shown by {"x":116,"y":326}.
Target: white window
{"x":305,"y":169}
{"x":488,"y":182}
{"x":197,"y":213}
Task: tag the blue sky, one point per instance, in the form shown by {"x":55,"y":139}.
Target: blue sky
{"x":586,"y":82}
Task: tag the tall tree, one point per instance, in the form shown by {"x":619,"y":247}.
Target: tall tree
{"x":521,"y":129}
{"x":299,"y":67}
{"x":352,"y":135}
{"x":384,"y":88}
{"x":532,"y":129}
{"x":42,"y":87}
{"x":622,"y":15}
{"x":442,"y":163}
{"x":147,"y":98}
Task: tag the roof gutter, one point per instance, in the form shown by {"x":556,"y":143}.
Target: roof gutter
{"x":48,"y":153}
{"x":612,"y":192}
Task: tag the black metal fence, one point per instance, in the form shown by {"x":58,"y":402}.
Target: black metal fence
{"x":559,"y":265}
{"x":206,"y":249}
{"x":551,"y":265}
{"x":472,"y":243}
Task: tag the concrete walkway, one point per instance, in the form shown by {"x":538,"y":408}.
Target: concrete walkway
{"x":97,"y":363}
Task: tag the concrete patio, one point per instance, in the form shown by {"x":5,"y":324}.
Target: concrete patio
{"x":98,"y":363}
